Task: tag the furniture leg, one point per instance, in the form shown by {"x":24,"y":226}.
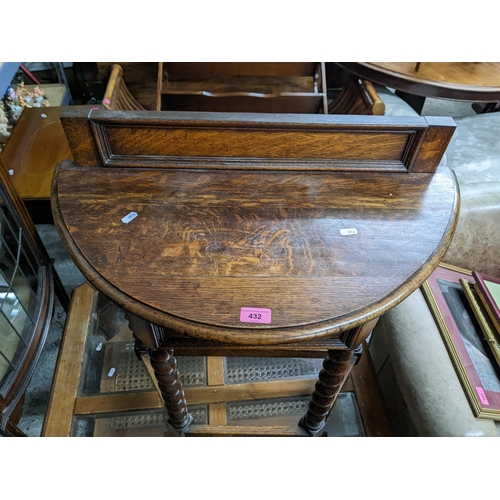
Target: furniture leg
{"x":415,"y":101}
{"x":481,"y":107}
{"x":139,"y":347}
{"x":165,"y":367}
{"x":60,"y":291}
{"x":336,"y":367}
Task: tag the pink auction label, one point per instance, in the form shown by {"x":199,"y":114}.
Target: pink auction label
{"x":482,"y":396}
{"x":255,"y":315}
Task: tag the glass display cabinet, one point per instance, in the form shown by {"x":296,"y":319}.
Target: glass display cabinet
{"x":28,"y":283}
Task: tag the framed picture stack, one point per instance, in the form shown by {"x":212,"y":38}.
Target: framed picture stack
{"x":488,"y":290}
{"x":469,"y":335}
{"x":483,"y":298}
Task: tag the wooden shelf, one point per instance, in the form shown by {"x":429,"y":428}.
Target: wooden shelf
{"x":243,"y":87}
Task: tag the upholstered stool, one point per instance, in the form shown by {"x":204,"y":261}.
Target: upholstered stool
{"x":474,"y":155}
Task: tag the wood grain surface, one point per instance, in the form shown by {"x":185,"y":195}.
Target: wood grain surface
{"x":466,"y":81}
{"x":326,"y":250}
{"x":206,"y":243}
{"x":243,"y":87}
{"x":185,"y":71}
{"x":369,"y":397}
{"x":244,"y":143}
{"x":58,"y":420}
{"x":117,"y":402}
{"x":255,"y":141}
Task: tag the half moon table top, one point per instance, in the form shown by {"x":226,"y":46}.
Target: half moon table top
{"x":462,"y":81}
{"x":324,"y":251}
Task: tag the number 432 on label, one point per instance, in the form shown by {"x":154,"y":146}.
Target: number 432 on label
{"x":255,"y":315}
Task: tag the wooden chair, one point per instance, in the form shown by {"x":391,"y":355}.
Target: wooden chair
{"x":117,"y":96}
{"x":358,"y":97}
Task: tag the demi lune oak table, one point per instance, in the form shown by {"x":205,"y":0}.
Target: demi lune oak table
{"x":460,"y":81}
{"x":254,"y":234}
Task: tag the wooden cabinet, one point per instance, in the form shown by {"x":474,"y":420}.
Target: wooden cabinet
{"x":248,"y":87}
{"x":27,"y":286}
{"x":252,"y":87}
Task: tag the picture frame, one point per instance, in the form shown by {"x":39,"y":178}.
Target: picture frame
{"x":470,"y":354}
{"x":488,"y":289}
{"x":487,"y":327}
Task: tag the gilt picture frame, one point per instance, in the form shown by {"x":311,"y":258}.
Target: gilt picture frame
{"x":489,"y":330}
{"x":470,"y":354}
{"x":488,"y":289}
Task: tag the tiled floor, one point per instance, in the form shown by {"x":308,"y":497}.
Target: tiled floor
{"x":39,"y":388}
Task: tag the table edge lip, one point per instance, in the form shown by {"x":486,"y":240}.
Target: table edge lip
{"x":424,"y":87}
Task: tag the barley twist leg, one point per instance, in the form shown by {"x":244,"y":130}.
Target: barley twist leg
{"x":165,"y":367}
{"x":336,"y":367}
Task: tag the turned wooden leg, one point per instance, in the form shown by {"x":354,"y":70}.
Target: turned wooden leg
{"x":336,"y":367}
{"x":165,"y":367}
{"x":415,"y":101}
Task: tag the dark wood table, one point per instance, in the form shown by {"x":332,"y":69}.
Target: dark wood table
{"x":254,"y":235}
{"x":477,"y":82}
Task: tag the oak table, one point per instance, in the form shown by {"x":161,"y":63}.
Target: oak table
{"x":254,"y":234}
{"x":460,"y":81}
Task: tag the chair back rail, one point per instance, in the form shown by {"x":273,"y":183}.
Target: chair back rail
{"x":117,"y":96}
{"x":358,"y":97}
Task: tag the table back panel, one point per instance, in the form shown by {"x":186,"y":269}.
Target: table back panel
{"x":256,"y":141}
